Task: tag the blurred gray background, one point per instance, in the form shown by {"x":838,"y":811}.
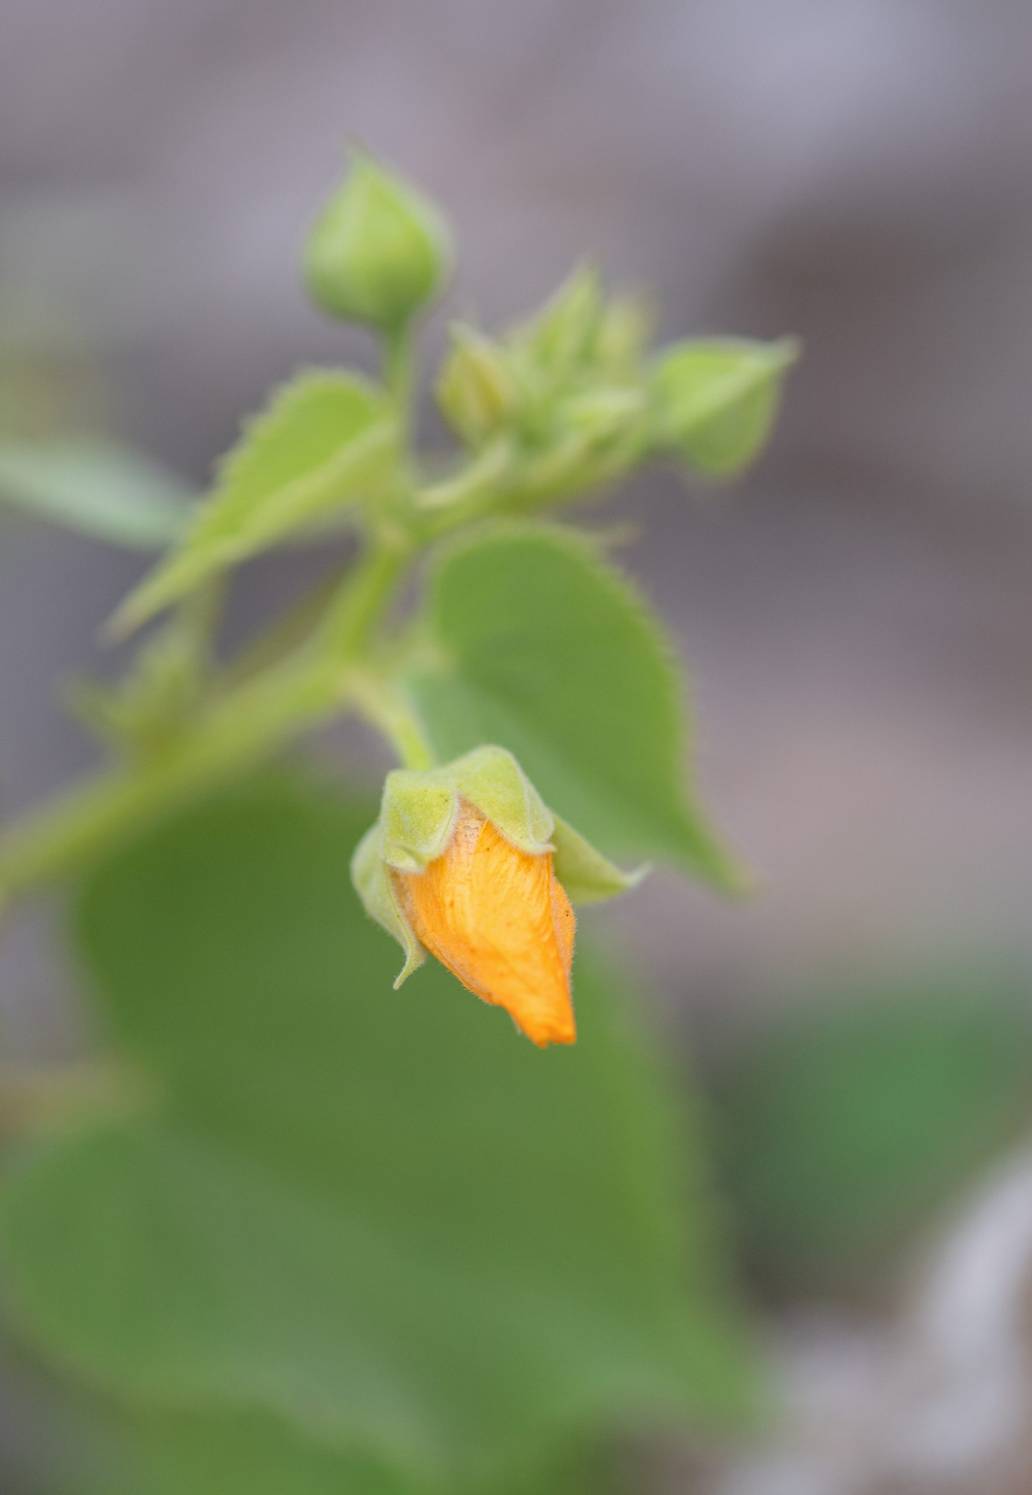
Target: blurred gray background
{"x":857,"y":614}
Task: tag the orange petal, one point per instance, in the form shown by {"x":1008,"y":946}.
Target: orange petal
{"x":499,"y":919}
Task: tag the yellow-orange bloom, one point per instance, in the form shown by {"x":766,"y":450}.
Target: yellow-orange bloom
{"x":500,"y":920}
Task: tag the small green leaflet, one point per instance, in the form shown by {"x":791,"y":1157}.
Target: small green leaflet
{"x":252,"y":1454}
{"x":324,"y":441}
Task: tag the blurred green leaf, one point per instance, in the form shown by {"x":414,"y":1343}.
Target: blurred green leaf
{"x":851,"y":1123}
{"x":97,"y":488}
{"x":717,"y":399}
{"x":324,"y":441}
{"x":255,"y":1454}
{"x":546,"y":650}
{"x":245,"y":1455}
{"x":383,"y":1216}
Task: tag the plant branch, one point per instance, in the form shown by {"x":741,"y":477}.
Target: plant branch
{"x":385,"y":706}
{"x":241,"y":728}
{"x":398,"y":370}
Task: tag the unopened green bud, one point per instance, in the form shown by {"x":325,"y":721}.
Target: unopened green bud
{"x":715,"y":399}
{"x":568,"y":324}
{"x":560,"y":337}
{"x":476,"y":391}
{"x":378,"y":251}
{"x":624,"y":333}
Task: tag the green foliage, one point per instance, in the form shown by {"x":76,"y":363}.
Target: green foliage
{"x":327,"y":1237}
{"x":376,"y":1217}
{"x":97,"y":488}
{"x":853,"y":1121}
{"x":580,"y":403}
{"x":252,"y":1454}
{"x":246,"y":1454}
{"x":325,"y":440}
{"x":537,"y":644}
{"x":717,"y":399}
{"x":151,"y":706}
{"x":561,"y":405}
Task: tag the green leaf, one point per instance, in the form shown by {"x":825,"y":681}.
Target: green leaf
{"x":541,"y":647}
{"x":857,"y":1118}
{"x":248,"y":1456}
{"x":383,"y":1217}
{"x":252,"y":1454}
{"x":717,"y":398}
{"x":97,"y":488}
{"x":153,"y":1452}
{"x":326,"y":440}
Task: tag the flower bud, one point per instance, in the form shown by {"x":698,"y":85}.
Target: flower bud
{"x":476,"y":391}
{"x":378,"y":252}
{"x":468,"y":863}
{"x":624,"y":334}
{"x":715,"y":399}
{"x":561,"y":335}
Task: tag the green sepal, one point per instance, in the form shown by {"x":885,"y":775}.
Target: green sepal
{"x":419,"y":809}
{"x":373,"y":885}
{"x":417,"y":816}
{"x":586,"y":875}
{"x":494,"y":783}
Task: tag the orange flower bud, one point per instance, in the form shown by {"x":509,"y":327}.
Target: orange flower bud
{"x":465,"y":862}
{"x":500,"y":920}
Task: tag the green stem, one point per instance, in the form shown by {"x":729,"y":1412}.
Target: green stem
{"x":199,"y":618}
{"x":465,"y":495}
{"x":238,"y":730}
{"x":398,"y":370}
{"x":351,"y":619}
{"x":386,"y":707}
{"x":241,"y":729}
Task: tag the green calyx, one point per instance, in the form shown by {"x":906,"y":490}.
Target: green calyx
{"x":379,"y":251}
{"x":418,"y":815}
